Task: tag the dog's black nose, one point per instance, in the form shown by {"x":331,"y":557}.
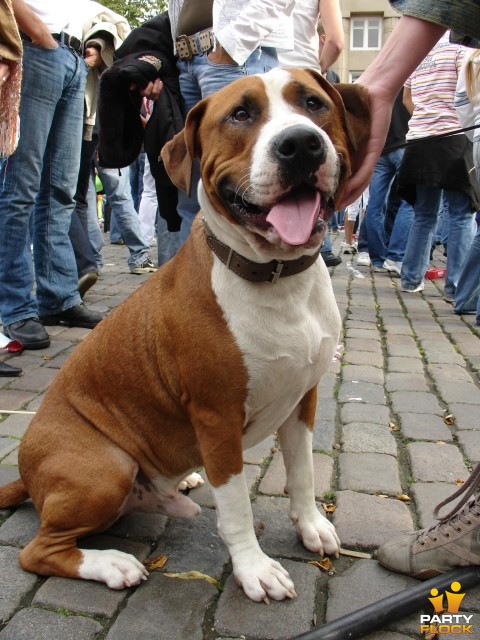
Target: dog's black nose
{"x":301,"y":148}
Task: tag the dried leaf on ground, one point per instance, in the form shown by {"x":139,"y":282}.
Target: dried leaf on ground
{"x":193,"y":575}
{"x":404,"y":498}
{"x":329,"y":508}
{"x":324,"y":565}
{"x":393,"y":426}
{"x":459,"y":482}
{"x":155,"y":563}
{"x":380,"y":495}
{"x":449,"y":419}
{"x":440,"y":442}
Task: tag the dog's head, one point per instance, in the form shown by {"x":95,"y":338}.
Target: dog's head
{"x":274,"y":153}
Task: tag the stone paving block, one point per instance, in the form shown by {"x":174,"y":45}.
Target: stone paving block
{"x":405,"y":382}
{"x":7,"y":445}
{"x":407,"y":349}
{"x":416,"y":402}
{"x":369,"y":472}
{"x":37,"y":624}
{"x":362,"y":334}
{"x":363,"y":584}
{"x":464,"y":417}
{"x":238,"y":616}
{"x":448,"y":372}
{"x":21,"y":527}
{"x":326,"y":386}
{"x":435,"y":356}
{"x":360,"y":412}
{"x":427,"y":495}
{"x":363,"y":357}
{"x":165,"y":607}
{"x":368,"y":438}
{"x":371,"y":346}
{"x":274,"y":481}
{"x":16,"y":583}
{"x":15,"y":425}
{"x":363,"y":373}
{"x":366,"y":391}
{"x":323,"y":435}
{"x":260,"y":452}
{"x":419,"y":426}
{"x":470,"y":443}
{"x":432,"y":462}
{"x":13,"y":400}
{"x":8,"y":474}
{"x":193,"y":545}
{"x":275,"y":531}
{"x":326,"y":409}
{"x":80,"y":596}
{"x":38,"y":379}
{"x":139,"y":525}
{"x":459,"y":391}
{"x":365,"y":522}
{"x":404,"y":365}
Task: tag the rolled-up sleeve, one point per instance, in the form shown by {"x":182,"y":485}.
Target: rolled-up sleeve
{"x":462,"y":16}
{"x":241,"y":32}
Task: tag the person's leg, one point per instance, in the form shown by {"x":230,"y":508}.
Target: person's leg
{"x":117,"y":189}
{"x":467,"y":295}
{"x":382,"y":178}
{"x":147,"y":211}
{"x":93,"y":227}
{"x":417,"y":252}
{"x":400,"y":231}
{"x":460,"y":235}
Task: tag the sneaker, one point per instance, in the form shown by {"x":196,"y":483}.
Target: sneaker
{"x":379,"y":268}
{"x":77,"y":316}
{"x":393,"y":267}
{"x":420,"y":287}
{"x":363,"y":259}
{"x":348,"y":248}
{"x":146,"y":266}
{"x":453,"y":542}
{"x":30,"y":333}
{"x":330,"y":259}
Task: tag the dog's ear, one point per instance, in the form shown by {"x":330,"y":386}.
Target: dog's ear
{"x":179,"y":153}
{"x":352,"y":100}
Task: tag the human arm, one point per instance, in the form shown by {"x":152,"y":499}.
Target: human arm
{"x":407,"y":99}
{"x":32,"y":25}
{"x":331,"y":17}
{"x":406,"y":47}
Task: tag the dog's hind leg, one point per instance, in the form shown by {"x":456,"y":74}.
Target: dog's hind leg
{"x":77,"y":505}
{"x":295,"y":435}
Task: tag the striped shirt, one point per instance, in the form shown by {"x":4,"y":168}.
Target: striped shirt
{"x":433,"y":85}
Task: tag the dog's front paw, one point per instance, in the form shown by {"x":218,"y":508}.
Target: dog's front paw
{"x":318,"y":534}
{"x":116,"y":568}
{"x":262,"y":578}
{"x":191,"y":481}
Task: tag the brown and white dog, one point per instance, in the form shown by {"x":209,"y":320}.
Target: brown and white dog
{"x":220,"y":348}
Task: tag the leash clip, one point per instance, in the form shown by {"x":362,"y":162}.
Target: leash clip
{"x":277,"y":272}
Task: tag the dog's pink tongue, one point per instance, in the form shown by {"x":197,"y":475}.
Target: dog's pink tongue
{"x":294,"y":217}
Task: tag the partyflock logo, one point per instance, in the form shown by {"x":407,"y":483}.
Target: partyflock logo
{"x":446,"y":620}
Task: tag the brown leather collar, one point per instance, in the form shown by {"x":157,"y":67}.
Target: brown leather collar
{"x":257,"y":271}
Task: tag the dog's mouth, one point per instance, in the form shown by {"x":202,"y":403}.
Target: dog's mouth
{"x":296,"y":217}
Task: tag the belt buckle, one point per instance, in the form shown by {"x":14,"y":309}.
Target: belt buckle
{"x":276,"y":272}
{"x":184,"y":40}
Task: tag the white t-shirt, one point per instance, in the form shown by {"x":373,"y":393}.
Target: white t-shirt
{"x":60,"y":14}
{"x":307,"y":40}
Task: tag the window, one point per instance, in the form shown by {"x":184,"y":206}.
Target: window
{"x":365,"y":33}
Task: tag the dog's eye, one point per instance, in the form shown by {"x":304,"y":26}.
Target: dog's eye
{"x":314,"y":104}
{"x":240,"y":114}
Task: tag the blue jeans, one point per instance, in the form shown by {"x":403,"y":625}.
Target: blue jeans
{"x":116,"y":184}
{"x":200,"y":78}
{"x":460,"y":236}
{"x":374,"y":232}
{"x":37,"y":187}
{"x":136,"y":179}
{"x":467,"y":296}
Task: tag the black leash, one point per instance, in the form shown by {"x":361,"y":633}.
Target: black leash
{"x":435,"y":137}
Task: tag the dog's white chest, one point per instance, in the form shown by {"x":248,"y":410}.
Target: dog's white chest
{"x":287,"y":334}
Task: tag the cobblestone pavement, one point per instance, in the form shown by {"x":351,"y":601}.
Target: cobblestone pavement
{"x":382,"y":431}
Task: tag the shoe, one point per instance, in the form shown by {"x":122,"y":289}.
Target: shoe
{"x":7,"y":371}
{"x":449,"y":298}
{"x":29,"y":332}
{"x":330,"y":259}
{"x":363,"y":259}
{"x":86,"y":281}
{"x":119,"y":242}
{"x":378,"y":268}
{"x":153,"y":243}
{"x":146,"y":266}
{"x":348,"y":248}
{"x":453,"y":542}
{"x":78,"y":316}
{"x":420,"y":287}
{"x":392,"y":266}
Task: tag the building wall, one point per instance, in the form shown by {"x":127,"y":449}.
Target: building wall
{"x":356,"y":61}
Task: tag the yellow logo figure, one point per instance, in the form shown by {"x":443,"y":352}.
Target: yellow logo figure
{"x":453,"y":599}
